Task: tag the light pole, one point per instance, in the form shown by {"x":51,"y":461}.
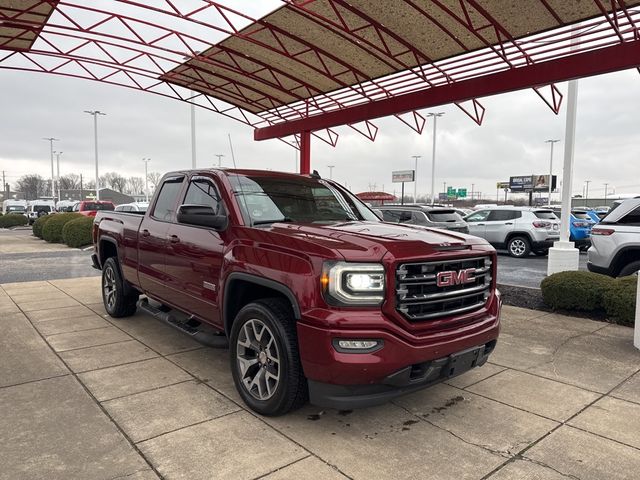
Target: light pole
{"x":605,"y":192}
{"x":586,"y":195}
{"x":433,"y":159}
{"x":51,"y":140}
{"x":219,"y":155}
{"x":330,"y":167}
{"x":58,"y":171}
{"x":551,"y":168}
{"x":415,"y":178}
{"x":146,"y":178}
{"x":95,"y":114}
{"x":193,"y":117}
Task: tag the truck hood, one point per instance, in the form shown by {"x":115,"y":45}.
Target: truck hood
{"x":370,"y":241}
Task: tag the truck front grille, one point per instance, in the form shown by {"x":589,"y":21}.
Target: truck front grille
{"x":464,"y":286}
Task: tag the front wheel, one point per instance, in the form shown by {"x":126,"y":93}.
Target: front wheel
{"x":265,"y":362}
{"x":519,"y":247}
{"x":119,"y":299}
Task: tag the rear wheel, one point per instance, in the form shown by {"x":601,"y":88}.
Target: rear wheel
{"x":119,"y":299}
{"x":630,"y":269}
{"x":265,"y":362}
{"x":519,"y":247}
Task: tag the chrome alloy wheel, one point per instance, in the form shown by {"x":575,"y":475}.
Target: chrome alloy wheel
{"x":109,"y":287}
{"x":518,"y":247}
{"x":258,"y":359}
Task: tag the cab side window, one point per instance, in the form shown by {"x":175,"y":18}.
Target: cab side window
{"x":203,"y":192}
{"x":165,"y":207}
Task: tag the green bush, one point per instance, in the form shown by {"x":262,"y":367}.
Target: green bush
{"x":13,"y":220}
{"x":620,"y":300}
{"x":52,"y":229}
{"x":39,"y":224}
{"x":77,"y":232}
{"x":575,"y":290}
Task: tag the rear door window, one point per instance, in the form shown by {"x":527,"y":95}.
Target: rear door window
{"x":503,"y":215}
{"x":165,"y":207}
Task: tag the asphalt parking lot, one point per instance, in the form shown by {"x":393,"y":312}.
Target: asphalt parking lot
{"x":84,"y":396}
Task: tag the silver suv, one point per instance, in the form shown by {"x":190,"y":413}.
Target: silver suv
{"x":426,"y":216}
{"x":615,"y":241}
{"x":520,"y":230}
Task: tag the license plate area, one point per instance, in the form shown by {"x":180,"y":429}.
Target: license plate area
{"x":463,"y":361}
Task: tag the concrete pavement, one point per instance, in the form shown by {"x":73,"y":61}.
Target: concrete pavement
{"x":83,"y":396}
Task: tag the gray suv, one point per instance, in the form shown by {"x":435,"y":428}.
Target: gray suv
{"x":520,"y":230}
{"x":615,"y":241}
{"x":425,"y":216}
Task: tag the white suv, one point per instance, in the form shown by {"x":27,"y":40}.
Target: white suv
{"x":615,"y":241}
{"x":520,"y":230}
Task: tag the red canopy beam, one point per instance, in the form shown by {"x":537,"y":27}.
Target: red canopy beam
{"x":595,"y":62}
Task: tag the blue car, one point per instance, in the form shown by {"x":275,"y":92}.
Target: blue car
{"x":579,"y":228}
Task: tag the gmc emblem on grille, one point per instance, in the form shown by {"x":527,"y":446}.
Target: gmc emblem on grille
{"x":451,"y":277}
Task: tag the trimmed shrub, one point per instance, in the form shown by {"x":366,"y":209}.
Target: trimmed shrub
{"x":575,"y":290}
{"x":13,"y":220}
{"x":620,"y":300}
{"x":52,"y":230}
{"x":77,"y":232}
{"x":39,"y":224}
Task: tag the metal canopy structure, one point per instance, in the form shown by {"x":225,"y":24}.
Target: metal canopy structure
{"x":312,"y":65}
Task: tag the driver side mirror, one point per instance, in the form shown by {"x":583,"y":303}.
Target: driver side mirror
{"x":202,"y":216}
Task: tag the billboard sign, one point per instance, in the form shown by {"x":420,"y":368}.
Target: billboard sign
{"x":502,"y":185}
{"x":541,"y":183}
{"x":401,"y":176}
{"x":531,"y":183}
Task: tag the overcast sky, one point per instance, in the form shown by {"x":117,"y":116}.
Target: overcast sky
{"x":137,"y":124}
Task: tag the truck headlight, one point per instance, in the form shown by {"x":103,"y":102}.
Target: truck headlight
{"x":345,"y":283}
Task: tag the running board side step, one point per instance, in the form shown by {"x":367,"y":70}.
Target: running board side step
{"x":191,"y":326}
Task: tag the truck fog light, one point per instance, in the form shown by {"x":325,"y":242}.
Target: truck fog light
{"x":357,"y":346}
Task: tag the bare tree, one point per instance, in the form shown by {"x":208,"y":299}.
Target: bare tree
{"x":154,"y":179}
{"x":70,"y":181}
{"x":33,"y":186}
{"x":115,"y":181}
{"x":135,"y":185}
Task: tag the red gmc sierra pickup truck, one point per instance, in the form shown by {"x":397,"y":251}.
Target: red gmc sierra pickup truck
{"x":315,"y":296}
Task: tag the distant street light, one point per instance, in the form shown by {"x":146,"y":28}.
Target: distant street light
{"x":51,"y":140}
{"x":586,"y":195}
{"x":193,"y":117}
{"x":95,"y":114}
{"x":330,"y":171}
{"x":146,"y":178}
{"x":415,"y":178}
{"x":551,"y":168}
{"x":433,"y":159}
{"x":58,"y":171}
{"x":219,"y":155}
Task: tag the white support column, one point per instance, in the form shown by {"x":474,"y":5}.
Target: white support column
{"x":636,"y":335}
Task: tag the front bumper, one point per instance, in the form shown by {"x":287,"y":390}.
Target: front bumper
{"x":402,"y":382}
{"x":407,"y":362}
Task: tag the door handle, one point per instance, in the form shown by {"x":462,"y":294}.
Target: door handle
{"x":480,"y":224}
{"x":174,"y":239}
{"x":145,"y":233}
{"x":509,"y":223}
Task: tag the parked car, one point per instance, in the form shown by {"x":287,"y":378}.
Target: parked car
{"x":65,"y":205}
{"x":317,"y":297}
{"x":91,"y":207}
{"x":425,"y":216}
{"x":520,"y":230}
{"x":38,"y":208}
{"x":615,"y":241}
{"x":14,"y":206}
{"x":602,"y":211}
{"x":133,"y":207}
{"x":580,"y":225}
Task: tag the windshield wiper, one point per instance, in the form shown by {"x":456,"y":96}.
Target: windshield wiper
{"x":266,"y":222}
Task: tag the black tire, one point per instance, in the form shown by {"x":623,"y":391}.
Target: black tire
{"x":274,"y":353}
{"x":519,"y":247}
{"x":542,"y":252}
{"x":118,"y":298}
{"x":629,"y":269}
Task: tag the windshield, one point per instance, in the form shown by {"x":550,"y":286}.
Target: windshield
{"x":265,"y":200}
{"x":444,"y":216}
{"x":97,"y":206}
{"x":41,"y":208}
{"x":15,"y":208}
